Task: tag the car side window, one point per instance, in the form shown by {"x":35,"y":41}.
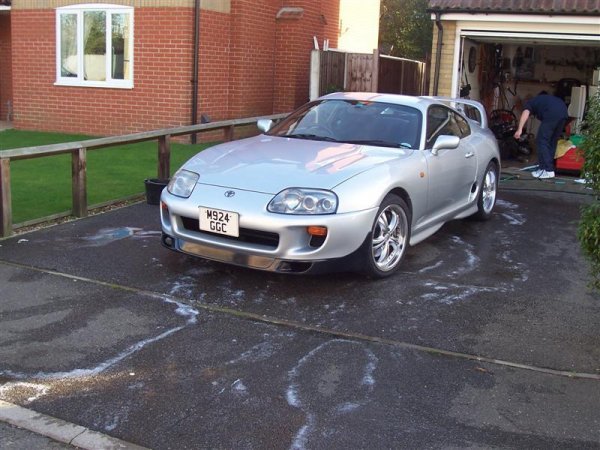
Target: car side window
{"x":442,"y":120}
{"x":465,"y":129}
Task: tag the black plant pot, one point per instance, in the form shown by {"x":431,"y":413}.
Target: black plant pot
{"x":154,"y":187}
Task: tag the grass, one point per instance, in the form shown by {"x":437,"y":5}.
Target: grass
{"x":42,"y":186}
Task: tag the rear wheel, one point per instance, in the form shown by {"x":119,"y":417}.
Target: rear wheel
{"x":389,"y":237}
{"x":487,"y":194}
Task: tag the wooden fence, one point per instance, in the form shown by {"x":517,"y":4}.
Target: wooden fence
{"x":333,"y":71}
{"x":402,"y":76}
{"x":78,"y":151}
{"x":362,"y":72}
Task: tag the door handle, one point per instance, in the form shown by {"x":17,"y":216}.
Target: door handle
{"x":469,"y":155}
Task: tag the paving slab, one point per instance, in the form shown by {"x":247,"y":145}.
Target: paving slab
{"x":15,"y":438}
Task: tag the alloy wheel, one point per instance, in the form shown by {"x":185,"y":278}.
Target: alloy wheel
{"x":389,"y":237}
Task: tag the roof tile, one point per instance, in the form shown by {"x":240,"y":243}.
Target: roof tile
{"x":582,"y":7}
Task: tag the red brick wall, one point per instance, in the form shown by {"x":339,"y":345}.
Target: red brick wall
{"x":214,"y":65}
{"x":294,"y":42}
{"x":252,"y":56}
{"x":253,"y":64}
{"x":250,"y":64}
{"x":162,"y":73}
{"x":5,"y":65}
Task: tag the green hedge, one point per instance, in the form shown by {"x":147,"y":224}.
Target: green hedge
{"x":589,"y":226}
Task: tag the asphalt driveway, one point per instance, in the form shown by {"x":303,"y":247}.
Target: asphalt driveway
{"x":488,"y":337}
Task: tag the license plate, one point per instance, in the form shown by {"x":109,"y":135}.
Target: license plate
{"x":218,"y":221}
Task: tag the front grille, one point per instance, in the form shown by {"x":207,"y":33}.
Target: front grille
{"x":246,"y":235}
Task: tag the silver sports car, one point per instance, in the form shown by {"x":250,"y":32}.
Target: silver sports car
{"x":346,"y":182}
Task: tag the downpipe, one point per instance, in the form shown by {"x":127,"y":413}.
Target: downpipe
{"x":438,"y":52}
{"x":195,"y":68}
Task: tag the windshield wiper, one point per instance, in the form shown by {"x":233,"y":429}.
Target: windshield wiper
{"x":312,"y":137}
{"x":379,"y":143}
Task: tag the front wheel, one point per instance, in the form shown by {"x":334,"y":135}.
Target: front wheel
{"x":487,"y":193}
{"x":389,"y":237}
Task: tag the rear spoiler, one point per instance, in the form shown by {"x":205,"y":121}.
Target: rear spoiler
{"x":470,"y":108}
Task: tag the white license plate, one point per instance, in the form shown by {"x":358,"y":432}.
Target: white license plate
{"x":218,"y":221}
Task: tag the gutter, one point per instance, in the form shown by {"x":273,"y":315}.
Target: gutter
{"x":195,"y":68}
{"x":438,"y":52}
{"x":521,"y":12}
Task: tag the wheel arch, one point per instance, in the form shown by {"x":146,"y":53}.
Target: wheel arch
{"x":496,"y":161}
{"x":403,"y":194}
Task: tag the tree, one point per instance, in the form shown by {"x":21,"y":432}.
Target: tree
{"x":405,"y":28}
{"x":95,"y":33}
{"x":589,"y":227}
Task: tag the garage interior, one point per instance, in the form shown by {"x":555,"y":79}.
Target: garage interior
{"x":503,"y":72}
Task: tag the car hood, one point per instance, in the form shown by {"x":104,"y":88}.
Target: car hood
{"x":270,"y":164}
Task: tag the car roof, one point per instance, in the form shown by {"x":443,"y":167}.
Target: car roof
{"x":408,"y":100}
{"x":421,"y":103}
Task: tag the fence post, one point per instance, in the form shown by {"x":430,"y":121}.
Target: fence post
{"x":5,"y":199}
{"x":229,"y":133}
{"x":402,"y":68}
{"x":315,"y":74}
{"x":79,"y":182}
{"x":375,"y":69}
{"x":164,"y":157}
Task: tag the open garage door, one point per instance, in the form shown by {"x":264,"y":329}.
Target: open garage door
{"x":504,"y":69}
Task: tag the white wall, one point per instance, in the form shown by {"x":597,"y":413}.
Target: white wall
{"x":471,"y":77}
{"x":359,"y":25}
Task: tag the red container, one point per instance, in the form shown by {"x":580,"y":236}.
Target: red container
{"x":572,"y":160}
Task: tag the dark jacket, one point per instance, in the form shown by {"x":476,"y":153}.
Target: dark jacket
{"x":547,"y":108}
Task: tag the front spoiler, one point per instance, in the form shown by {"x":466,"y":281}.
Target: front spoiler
{"x":349,"y":263}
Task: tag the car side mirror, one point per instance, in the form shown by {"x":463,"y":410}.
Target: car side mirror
{"x":445,"y":142}
{"x":264,"y":125}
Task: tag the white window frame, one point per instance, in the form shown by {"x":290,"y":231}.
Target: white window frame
{"x":79,"y":10}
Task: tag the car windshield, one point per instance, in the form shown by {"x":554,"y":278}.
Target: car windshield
{"x":355,"y":122}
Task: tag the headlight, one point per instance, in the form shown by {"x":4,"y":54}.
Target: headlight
{"x":183,"y":182}
{"x":304,"y":201}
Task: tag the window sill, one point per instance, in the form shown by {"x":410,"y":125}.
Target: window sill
{"x":95,"y":84}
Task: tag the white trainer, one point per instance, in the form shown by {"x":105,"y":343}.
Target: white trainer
{"x":544,"y":174}
{"x":536,"y":173}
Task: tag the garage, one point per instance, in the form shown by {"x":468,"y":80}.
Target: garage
{"x":505,"y":54}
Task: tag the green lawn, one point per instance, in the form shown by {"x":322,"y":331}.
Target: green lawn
{"x":42,"y":186}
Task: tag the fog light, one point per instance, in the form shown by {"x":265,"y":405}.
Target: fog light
{"x":317,"y":231}
{"x":168,"y":241}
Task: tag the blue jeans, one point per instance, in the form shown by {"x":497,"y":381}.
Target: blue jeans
{"x":546,"y":140}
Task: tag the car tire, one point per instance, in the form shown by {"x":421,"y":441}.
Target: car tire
{"x":388,"y":239}
{"x":486,"y":200}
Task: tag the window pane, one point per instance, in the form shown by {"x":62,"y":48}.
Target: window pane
{"x":94,"y":41}
{"x":95,"y":45}
{"x":120,"y":46}
{"x":68,"y":45}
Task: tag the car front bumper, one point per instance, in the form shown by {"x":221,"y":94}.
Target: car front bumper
{"x":268,"y":241}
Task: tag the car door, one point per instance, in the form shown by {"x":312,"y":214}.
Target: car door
{"x":452,"y":172}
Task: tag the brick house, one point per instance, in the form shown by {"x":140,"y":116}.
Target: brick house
{"x":120,"y":66}
{"x":506,"y":51}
